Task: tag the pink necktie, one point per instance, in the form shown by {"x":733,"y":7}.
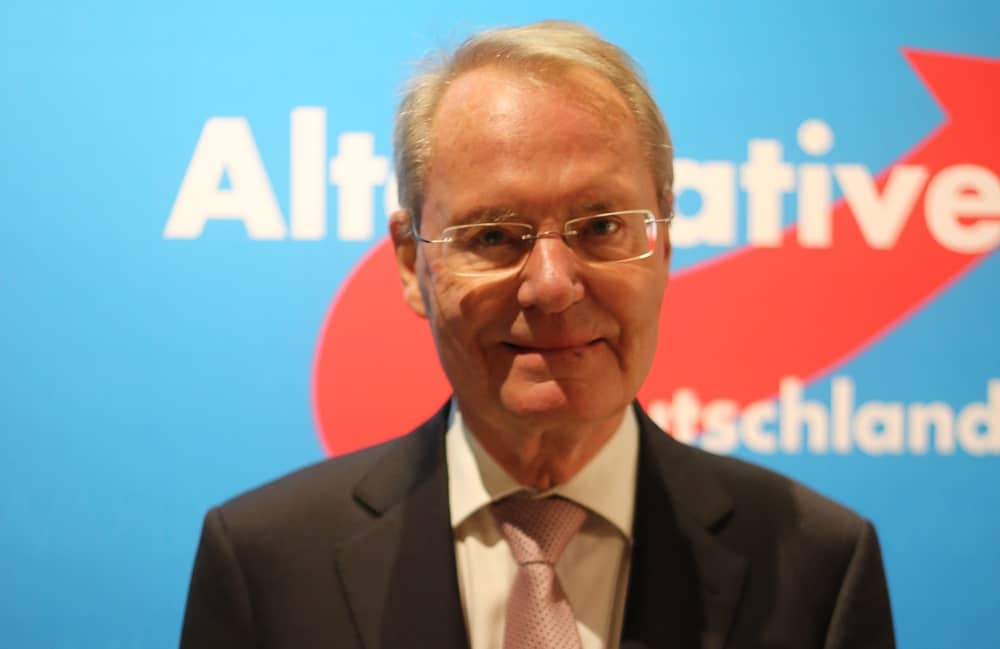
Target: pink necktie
{"x":538,"y":614}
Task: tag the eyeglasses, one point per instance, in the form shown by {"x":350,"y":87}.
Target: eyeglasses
{"x":490,"y":248}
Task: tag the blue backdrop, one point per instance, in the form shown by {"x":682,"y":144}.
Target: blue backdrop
{"x":157,"y":358}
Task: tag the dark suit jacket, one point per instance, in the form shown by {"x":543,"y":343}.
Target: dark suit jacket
{"x":357,"y":552}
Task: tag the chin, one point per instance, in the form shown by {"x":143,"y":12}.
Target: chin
{"x":555,"y":399}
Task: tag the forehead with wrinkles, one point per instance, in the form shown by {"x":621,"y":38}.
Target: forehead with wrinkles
{"x":506,"y":110}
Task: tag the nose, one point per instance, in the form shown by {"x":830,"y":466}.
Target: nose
{"x":550,"y":278}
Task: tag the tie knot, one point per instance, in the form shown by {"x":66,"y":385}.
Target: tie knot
{"x":538,"y":529}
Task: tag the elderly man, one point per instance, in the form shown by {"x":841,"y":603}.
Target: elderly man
{"x":541,"y":507}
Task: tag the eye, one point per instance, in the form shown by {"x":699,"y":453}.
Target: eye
{"x":493,"y":236}
{"x":600,"y":226}
{"x":486,"y":236}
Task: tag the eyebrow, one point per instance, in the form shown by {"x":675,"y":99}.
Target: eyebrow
{"x":484,"y":215}
{"x":502,"y":214}
{"x":598,"y":207}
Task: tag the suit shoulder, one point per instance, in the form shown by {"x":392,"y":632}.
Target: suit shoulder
{"x":324,"y":479}
{"x":314,"y":499}
{"x":333,"y":498}
{"x":763,"y":497}
{"x":761,"y":502}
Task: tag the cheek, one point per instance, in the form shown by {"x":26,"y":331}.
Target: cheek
{"x":638,"y":310}
{"x":448,"y":318}
{"x":651,"y":320}
{"x":465,"y":309}
{"x":440,"y":292}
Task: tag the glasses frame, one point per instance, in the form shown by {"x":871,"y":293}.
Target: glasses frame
{"x":566,"y":234}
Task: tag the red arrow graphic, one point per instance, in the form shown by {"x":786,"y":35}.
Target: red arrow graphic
{"x":734,"y":328}
{"x":730,"y":328}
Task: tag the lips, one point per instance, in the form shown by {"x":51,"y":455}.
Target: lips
{"x":550,"y":347}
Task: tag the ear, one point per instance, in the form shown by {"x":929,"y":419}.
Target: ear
{"x":400,"y":224}
{"x":666,"y":209}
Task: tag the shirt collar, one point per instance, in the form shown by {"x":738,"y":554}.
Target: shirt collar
{"x":605,"y":485}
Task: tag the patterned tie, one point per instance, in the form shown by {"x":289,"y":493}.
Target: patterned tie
{"x":538,"y":614}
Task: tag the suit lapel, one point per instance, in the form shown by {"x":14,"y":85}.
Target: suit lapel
{"x":399,"y":573}
{"x":400,"y":578}
{"x":684,"y":585}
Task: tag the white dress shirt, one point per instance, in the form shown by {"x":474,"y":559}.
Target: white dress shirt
{"x":594,"y":567}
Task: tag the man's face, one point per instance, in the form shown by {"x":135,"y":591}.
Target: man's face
{"x":559,"y":342}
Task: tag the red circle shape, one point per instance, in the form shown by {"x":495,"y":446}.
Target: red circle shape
{"x":376,"y":374}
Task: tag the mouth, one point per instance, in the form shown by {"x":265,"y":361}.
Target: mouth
{"x":556,"y":347}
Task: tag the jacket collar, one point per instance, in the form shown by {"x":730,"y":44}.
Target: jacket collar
{"x":401,"y":581}
{"x":399,"y":573}
{"x":684,"y":585}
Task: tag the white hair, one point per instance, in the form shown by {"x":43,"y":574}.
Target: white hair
{"x":542,"y":50}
